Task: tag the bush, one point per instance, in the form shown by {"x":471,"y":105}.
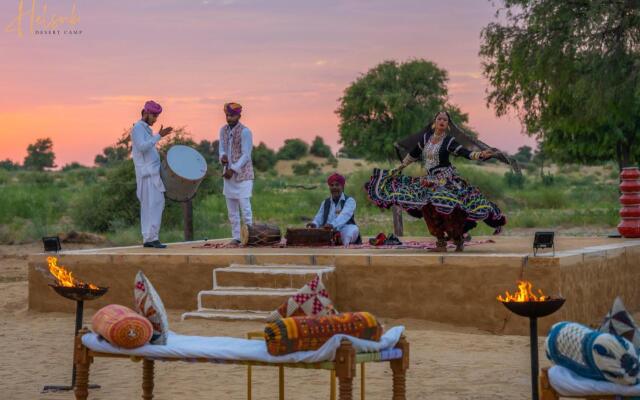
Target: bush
{"x":319,"y":148}
{"x":332,"y":161}
{"x":263,"y":157}
{"x":306,"y":168}
{"x":293,"y":149}
{"x":514,"y":180}
{"x":110,"y":203}
{"x":548,"y":179}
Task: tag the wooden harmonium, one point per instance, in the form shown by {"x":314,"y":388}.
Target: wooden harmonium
{"x":310,"y":237}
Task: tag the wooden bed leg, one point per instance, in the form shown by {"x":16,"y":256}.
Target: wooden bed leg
{"x":345,"y":365}
{"x":546,"y":391}
{"x":281,"y":382}
{"x":82,"y":360}
{"x":399,"y":368}
{"x":332,"y":385}
{"x":147,"y":379}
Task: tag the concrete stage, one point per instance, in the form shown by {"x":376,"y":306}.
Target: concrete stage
{"x":454,"y":288}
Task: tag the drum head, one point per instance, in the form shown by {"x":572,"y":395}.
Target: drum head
{"x":186,"y":162}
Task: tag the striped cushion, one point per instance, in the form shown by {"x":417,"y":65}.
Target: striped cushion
{"x":288,"y":335}
{"x":149,"y":304}
{"x":122,"y":326}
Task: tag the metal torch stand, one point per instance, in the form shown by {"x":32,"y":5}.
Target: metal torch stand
{"x":59,"y":388}
{"x":533,"y":338}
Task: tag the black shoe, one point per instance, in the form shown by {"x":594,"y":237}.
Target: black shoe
{"x":155,"y":244}
{"x":392,"y":240}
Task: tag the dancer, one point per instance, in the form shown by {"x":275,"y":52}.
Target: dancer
{"x":448,"y":203}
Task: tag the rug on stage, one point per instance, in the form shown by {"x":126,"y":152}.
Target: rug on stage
{"x":408,"y":244}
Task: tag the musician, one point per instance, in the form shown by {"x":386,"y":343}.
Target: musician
{"x":337,"y":212}
{"x":150,"y":189}
{"x":235,"y":148}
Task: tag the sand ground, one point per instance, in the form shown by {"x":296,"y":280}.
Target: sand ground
{"x":447,"y":362}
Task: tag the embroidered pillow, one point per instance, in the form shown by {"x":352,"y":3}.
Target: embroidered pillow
{"x":620,"y":322}
{"x":592,"y":354}
{"x":311,"y":300}
{"x":122,"y":326}
{"x":149,"y":304}
{"x":288,"y":335}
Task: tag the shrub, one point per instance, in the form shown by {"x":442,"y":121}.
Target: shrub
{"x":293,"y":149}
{"x":514,"y":180}
{"x":263,"y":157}
{"x":306,"y":168}
{"x":319,"y":148}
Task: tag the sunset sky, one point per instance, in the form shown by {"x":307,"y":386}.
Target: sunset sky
{"x":286,"y":62}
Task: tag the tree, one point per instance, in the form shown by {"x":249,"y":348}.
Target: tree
{"x":391,"y":101}
{"x":319,"y":148}
{"x":178,"y":136}
{"x":263,"y":158}
{"x":524,"y":154}
{"x":9,"y":165}
{"x":73,"y":166}
{"x":110,"y":155}
{"x":293,"y":149}
{"x":209,"y":150}
{"x":40,"y":155}
{"x":569,"y":69}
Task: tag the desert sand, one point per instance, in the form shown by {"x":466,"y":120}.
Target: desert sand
{"x":447,"y":362}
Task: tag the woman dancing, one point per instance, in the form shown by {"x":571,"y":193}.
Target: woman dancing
{"x":448,"y":203}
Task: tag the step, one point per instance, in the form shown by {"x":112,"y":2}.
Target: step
{"x":241,"y":298}
{"x":269,"y":276}
{"x":228,"y":315}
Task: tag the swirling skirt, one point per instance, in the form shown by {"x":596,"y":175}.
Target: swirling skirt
{"x":444,"y":189}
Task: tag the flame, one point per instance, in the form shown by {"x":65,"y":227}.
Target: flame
{"x":64,"y":276}
{"x":523,"y":294}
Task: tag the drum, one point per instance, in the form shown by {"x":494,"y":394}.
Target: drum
{"x":260,"y":235}
{"x":310,"y":237}
{"x":182,"y":171}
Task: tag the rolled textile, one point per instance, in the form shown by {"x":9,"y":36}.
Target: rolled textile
{"x":122,"y":326}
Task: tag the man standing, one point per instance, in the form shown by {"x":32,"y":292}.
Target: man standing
{"x":150,"y":190}
{"x":337,"y":212}
{"x":235,"y":148}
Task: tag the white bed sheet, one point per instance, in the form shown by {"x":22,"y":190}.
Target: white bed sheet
{"x":228,"y":348}
{"x":568,"y":383}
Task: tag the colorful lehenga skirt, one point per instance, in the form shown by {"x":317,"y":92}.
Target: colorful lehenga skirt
{"x":443,"y":188}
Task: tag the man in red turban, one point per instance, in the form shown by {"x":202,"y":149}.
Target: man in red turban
{"x":236,"y":143}
{"x":150,"y":189}
{"x":337,"y":212}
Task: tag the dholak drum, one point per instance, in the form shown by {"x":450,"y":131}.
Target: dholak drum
{"x":182,"y":171}
{"x":310,"y":237}
{"x":260,"y":235}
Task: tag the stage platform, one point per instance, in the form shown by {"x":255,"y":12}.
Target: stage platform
{"x":454,"y":288}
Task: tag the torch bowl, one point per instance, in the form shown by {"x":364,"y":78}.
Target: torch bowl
{"x":534,"y":309}
{"x":79,"y":293}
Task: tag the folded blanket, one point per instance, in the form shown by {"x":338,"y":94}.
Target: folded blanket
{"x":234,"y":349}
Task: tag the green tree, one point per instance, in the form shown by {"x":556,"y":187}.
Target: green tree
{"x":9,"y":165}
{"x":391,"y":101}
{"x":110,"y":155}
{"x":209,"y":150}
{"x":40,"y":155}
{"x":293,"y":149}
{"x":73,"y":166}
{"x":263,"y":158}
{"x":524,"y":154}
{"x":319,"y":148}
{"x":569,"y":69}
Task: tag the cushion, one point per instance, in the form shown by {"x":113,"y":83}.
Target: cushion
{"x":122,"y":326}
{"x":593,"y":354}
{"x":620,"y":322}
{"x":288,"y":335}
{"x":311,"y":300}
{"x":149,"y":304}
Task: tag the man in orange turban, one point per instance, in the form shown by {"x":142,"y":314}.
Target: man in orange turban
{"x":236,"y":143}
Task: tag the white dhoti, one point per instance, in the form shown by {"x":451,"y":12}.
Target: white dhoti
{"x":349,"y":234}
{"x":151,"y":207}
{"x":234,"y":207}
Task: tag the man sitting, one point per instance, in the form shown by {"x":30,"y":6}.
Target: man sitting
{"x":337,"y":212}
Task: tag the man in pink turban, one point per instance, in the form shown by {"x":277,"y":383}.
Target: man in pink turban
{"x":236,"y":144}
{"x":337,"y":212}
{"x":150,"y":189}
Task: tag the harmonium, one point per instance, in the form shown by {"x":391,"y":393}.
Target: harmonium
{"x":310,"y":237}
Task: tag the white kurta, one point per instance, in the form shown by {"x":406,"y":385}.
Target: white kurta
{"x":237,"y":192}
{"x":234,"y":188}
{"x":150,"y":189}
{"x":338,"y":218}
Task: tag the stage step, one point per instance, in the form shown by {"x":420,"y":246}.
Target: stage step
{"x":269,"y":276}
{"x":251,"y":292}
{"x":231,"y":315}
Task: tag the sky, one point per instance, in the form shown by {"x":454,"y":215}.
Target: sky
{"x":286,"y":62}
